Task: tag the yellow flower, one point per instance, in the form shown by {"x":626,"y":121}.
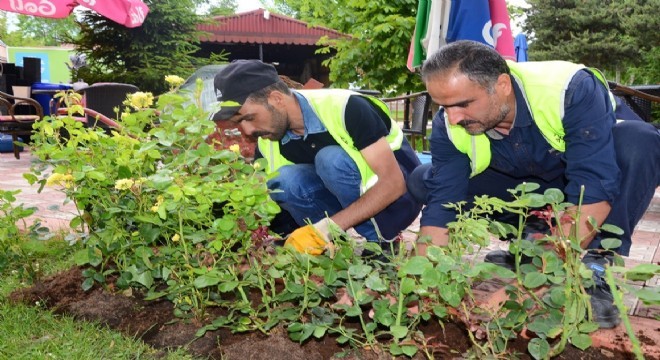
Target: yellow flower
{"x":65,"y":180}
{"x":174,"y":80}
{"x":140,"y":100}
{"x":159,"y":202}
{"x":124,"y":184}
{"x":256,"y":165}
{"x":176,"y":238}
{"x":235,"y":148}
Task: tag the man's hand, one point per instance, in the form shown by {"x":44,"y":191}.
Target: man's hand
{"x":312,"y":239}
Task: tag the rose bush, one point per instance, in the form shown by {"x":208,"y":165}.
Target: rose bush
{"x":158,"y":204}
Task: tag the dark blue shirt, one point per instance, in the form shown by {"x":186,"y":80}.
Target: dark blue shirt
{"x":524,"y":153}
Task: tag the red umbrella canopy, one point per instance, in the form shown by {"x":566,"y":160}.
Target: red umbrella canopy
{"x":130,"y":13}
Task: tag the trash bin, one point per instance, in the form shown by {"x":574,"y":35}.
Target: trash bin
{"x":6,"y":145}
{"x":44,"y":92}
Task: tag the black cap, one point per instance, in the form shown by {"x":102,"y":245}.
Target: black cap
{"x":235,"y":82}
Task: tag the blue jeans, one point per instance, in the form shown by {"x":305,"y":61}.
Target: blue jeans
{"x":310,"y":192}
{"x":637,"y":147}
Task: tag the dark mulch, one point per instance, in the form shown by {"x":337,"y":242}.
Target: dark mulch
{"x":155,"y":324}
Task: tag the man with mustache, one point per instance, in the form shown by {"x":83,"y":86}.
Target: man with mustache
{"x":551,"y":123}
{"x":341,"y":160}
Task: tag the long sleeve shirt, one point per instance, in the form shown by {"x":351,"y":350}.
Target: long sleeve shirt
{"x":524,"y":153}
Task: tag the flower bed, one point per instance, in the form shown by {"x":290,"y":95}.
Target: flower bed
{"x":170,"y":217}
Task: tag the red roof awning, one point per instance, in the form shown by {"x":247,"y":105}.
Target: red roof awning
{"x":262,"y":27}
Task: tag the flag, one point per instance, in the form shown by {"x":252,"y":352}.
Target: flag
{"x":440,"y":22}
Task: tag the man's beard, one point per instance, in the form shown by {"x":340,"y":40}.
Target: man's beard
{"x":280,"y":122}
{"x":476,"y":127}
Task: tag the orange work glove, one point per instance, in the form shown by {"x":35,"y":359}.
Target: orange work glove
{"x":311,"y":239}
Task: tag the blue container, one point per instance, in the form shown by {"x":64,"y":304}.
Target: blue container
{"x":6,"y":144}
{"x":44,"y":92}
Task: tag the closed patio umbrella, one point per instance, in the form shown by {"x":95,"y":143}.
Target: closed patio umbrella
{"x":520,"y":44}
{"x":130,"y":13}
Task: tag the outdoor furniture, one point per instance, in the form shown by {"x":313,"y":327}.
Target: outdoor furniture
{"x":103,"y":98}
{"x":639,"y":98}
{"x":12,"y":122}
{"x":416,"y":109}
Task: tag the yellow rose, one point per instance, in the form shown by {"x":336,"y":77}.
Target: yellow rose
{"x":159,"y":202}
{"x":124,"y":184}
{"x":65,"y":180}
{"x":174,"y":80}
{"x":140,"y":100}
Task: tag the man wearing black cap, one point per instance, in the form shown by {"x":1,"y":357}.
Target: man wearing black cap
{"x":341,"y":160}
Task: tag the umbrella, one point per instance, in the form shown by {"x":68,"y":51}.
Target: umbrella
{"x":520,"y":43}
{"x":130,"y":13}
{"x":443,"y":21}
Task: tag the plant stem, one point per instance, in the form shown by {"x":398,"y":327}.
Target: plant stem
{"x":618,"y":301}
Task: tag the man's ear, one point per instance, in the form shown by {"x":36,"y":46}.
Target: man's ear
{"x":504,"y":85}
{"x":276,"y":98}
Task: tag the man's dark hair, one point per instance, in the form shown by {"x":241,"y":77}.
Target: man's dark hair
{"x":261,"y":96}
{"x":479,"y":62}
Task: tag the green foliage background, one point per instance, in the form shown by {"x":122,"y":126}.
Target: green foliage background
{"x":619,"y":37}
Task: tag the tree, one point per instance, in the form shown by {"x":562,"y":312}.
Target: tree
{"x":47,"y":32}
{"x":163,"y":45}
{"x":222,"y":8}
{"x":607,"y":34}
{"x":374,"y":54}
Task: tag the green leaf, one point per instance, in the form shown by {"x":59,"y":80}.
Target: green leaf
{"x":398,"y":331}
{"x":87,"y":284}
{"x":409,"y":350}
{"x":581,"y":341}
{"x":610,"y":243}
{"x":553,"y":196}
{"x":153,"y":153}
{"x":206,"y":280}
{"x":295,"y":327}
{"x":375,"y":283}
{"x":227,"y":286}
{"x":75,"y":222}
{"x":527,"y":187}
{"x":407,"y":286}
{"x":330,"y":276}
{"x":642,"y":272}
{"x":31,"y":178}
{"x":534,"y":280}
{"x":145,"y":278}
{"x":588,"y":327}
{"x":538,"y":348}
{"x":81,"y":257}
{"x":611,"y":229}
{"x":95,"y":175}
{"x":649,"y":296}
{"x":359,"y":271}
{"x":415,"y":266}
{"x":319,"y":331}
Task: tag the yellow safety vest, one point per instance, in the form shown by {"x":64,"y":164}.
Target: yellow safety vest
{"x":329,"y":105}
{"x":544,"y":87}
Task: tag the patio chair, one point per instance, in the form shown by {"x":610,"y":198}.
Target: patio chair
{"x":416,"y":115}
{"x":14,"y":122}
{"x":640,"y":98}
{"x":103,"y":98}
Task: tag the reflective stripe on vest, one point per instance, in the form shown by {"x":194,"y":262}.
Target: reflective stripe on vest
{"x":330,"y":105}
{"x":544,"y":96}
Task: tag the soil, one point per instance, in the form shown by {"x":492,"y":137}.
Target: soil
{"x":154,"y":323}
{"x":228,"y":134}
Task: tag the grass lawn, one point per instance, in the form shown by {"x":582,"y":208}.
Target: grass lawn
{"x":33,"y":332}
